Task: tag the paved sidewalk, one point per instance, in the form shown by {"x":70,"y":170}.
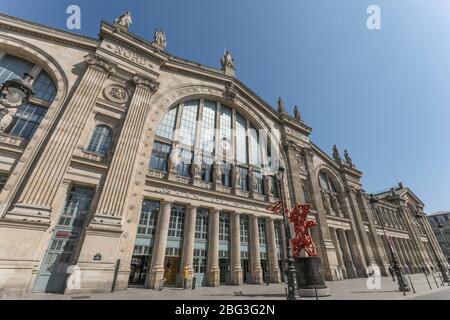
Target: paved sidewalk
{"x":354,"y":289}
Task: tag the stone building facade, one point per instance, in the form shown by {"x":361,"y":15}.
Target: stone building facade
{"x":130,"y":165}
{"x":440,"y":223}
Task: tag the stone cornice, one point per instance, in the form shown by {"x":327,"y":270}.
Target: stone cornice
{"x":47,"y":33}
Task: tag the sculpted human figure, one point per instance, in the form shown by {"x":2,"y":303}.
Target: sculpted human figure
{"x":347,"y":158}
{"x":125,"y":20}
{"x":280,"y":103}
{"x":297,"y":114}
{"x":218,"y":172}
{"x":160,"y":38}
{"x":336,"y":154}
{"x":227,"y":60}
{"x":8,"y":116}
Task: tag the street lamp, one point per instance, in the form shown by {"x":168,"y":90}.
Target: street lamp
{"x":14,"y":93}
{"x":402,"y":284}
{"x":291,"y":272}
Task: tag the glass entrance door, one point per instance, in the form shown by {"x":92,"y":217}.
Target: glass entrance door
{"x":59,"y":255}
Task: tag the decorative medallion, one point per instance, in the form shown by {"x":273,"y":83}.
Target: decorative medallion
{"x":116,"y":93}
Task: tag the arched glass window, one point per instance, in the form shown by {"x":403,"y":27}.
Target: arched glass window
{"x":212,"y":133}
{"x":101,"y":139}
{"x":28,"y":116}
{"x":325,"y":182}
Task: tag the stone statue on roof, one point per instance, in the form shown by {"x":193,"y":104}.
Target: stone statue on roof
{"x":124,"y":20}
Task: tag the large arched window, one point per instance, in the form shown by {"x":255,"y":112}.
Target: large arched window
{"x":28,"y":116}
{"x":101,"y":139}
{"x":207,"y":130}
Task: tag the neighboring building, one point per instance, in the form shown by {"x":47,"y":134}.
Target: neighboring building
{"x":440,"y":223}
{"x":107,"y":166}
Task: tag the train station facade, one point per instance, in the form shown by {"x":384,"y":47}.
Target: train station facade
{"x":130,"y":165}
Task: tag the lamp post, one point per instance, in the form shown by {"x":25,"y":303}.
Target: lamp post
{"x":291,"y":272}
{"x":402,"y":284}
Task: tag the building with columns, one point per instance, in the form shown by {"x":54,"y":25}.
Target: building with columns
{"x":440,"y":224}
{"x":130,"y":165}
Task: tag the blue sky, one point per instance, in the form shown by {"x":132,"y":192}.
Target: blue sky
{"x":382,"y":94}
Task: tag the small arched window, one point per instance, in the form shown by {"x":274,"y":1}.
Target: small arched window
{"x":325,"y":182}
{"x":101,"y":139}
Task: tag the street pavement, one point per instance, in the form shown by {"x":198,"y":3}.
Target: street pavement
{"x":353,"y":289}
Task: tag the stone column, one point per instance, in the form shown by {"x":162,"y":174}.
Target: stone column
{"x":213,"y":249}
{"x":376,"y":244}
{"x":255,"y":259}
{"x":409,"y":260}
{"x":236,"y":268}
{"x":159,"y":248}
{"x":274,"y":271}
{"x":37,"y":193}
{"x":188,"y":243}
{"x":348,"y":260}
{"x":326,"y":248}
{"x":399,"y":252}
{"x":434,"y":243}
{"x":417,"y":264}
{"x":360,"y":226}
{"x":343,"y":271}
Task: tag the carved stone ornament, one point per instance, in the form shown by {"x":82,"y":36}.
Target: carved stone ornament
{"x":231,"y":92}
{"x":152,"y":84}
{"x":94,"y":61}
{"x":124,"y":20}
{"x":117,"y":94}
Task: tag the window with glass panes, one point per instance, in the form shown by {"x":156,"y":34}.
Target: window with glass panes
{"x":225,"y":127}
{"x":207,"y":168}
{"x":148,"y":218}
{"x":278,"y":241}
{"x":241,"y":139}
{"x":199,"y":261}
{"x":255,"y":148}
{"x":167,"y":125}
{"x":259,"y":182}
{"x":3,"y":179}
{"x":244,"y":229}
{"x":325,"y":182}
{"x":176,"y":222}
{"x":262,"y":231}
{"x":101,"y":139}
{"x":275,"y":187}
{"x":201,"y":224}
{"x":28,"y":116}
{"x":224,"y":227}
{"x":226,"y":174}
{"x":207,"y":132}
{"x":160,"y":155}
{"x":189,"y":122}
{"x":185,"y":163}
{"x":243,"y":178}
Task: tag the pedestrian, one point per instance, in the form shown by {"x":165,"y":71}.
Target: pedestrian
{"x":185,"y":276}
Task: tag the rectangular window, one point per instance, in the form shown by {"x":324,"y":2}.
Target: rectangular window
{"x":189,"y":122}
{"x":166,"y":127}
{"x":275,"y":187}
{"x":199,"y":262}
{"x":160,"y":155}
{"x":76,"y":207}
{"x":244,"y":229}
{"x":148,"y":218}
{"x":225,"y":129}
{"x":201,"y":224}
{"x":243,"y":178}
{"x":254,"y":143}
{"x":259,"y":182}
{"x":262,"y":231}
{"x":224,"y":227}
{"x":176,"y":222}
{"x":207,"y":138}
{"x":241,"y":139}
{"x":184,"y":163}
{"x":278,"y":240}
{"x":226,"y":174}
{"x":3,"y":180}
{"x":207,"y":172}
{"x":26,"y":120}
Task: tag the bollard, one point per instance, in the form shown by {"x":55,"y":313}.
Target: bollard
{"x":435,"y":280}
{"x":317,"y":296}
{"x":194,"y":282}
{"x":116,"y":273}
{"x":440,"y":277}
{"x":428,"y":281}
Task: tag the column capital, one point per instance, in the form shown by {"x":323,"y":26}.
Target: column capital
{"x":94,"y":61}
{"x":169,"y":202}
{"x":151,"y":84}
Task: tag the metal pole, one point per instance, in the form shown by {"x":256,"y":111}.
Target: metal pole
{"x":426,"y":276}
{"x":412,"y":286}
{"x":292,"y":272}
{"x":432,"y":273}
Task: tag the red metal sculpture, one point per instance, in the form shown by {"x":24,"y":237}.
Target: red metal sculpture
{"x":299,"y":218}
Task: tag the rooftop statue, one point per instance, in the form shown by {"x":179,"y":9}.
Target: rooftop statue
{"x":160,"y":38}
{"x":227,"y":60}
{"x":280,"y":103}
{"x":297,"y":114}
{"x":124,"y":20}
